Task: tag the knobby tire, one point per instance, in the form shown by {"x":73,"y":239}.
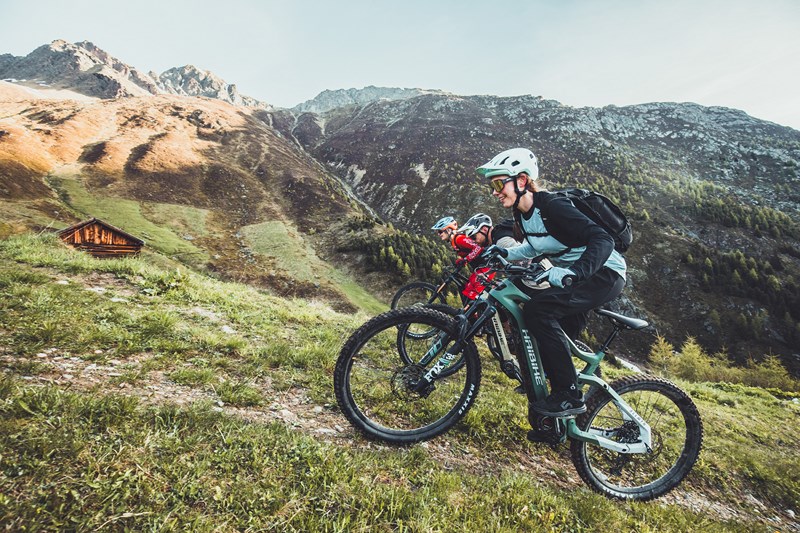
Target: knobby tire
{"x":677,"y":437}
{"x":373,"y":384}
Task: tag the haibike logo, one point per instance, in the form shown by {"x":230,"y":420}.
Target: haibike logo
{"x":537,"y":375}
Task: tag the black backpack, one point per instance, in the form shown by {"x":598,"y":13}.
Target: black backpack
{"x":504,"y":228}
{"x":599,"y":209}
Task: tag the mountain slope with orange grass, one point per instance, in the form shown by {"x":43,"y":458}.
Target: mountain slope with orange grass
{"x":64,"y":160}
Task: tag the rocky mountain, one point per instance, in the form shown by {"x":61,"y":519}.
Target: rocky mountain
{"x":714,"y":194}
{"x":91,"y":71}
{"x":82,"y":67}
{"x":424,"y":144}
{"x":356,"y":177}
{"x":327,"y":100}
{"x":192,"y":81}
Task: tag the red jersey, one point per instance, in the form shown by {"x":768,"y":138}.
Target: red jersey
{"x":465,"y":248}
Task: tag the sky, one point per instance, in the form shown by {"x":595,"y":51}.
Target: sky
{"x":743,"y":54}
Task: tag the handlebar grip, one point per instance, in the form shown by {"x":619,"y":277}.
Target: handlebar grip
{"x":568,"y":281}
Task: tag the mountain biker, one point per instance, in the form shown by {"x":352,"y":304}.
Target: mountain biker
{"x":480,"y":228}
{"x":466,"y":249}
{"x":596,"y":271}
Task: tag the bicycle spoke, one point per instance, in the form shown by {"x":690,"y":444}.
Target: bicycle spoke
{"x":381,"y":378}
{"x":675,"y":432}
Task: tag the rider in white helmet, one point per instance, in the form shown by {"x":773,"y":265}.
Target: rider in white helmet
{"x":465,"y":248}
{"x":586,"y":257}
{"x":480,"y":228}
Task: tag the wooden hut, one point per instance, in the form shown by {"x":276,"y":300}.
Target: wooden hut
{"x":101,"y":239}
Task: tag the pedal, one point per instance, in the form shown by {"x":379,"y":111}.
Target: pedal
{"x":546,"y":430}
{"x":544,"y":437}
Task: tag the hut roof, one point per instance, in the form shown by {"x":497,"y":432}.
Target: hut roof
{"x":72,"y":229}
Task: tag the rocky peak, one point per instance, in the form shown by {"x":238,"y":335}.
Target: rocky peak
{"x":327,"y":100}
{"x":189,"y":80}
{"x":90,"y":70}
{"x":82,"y":67}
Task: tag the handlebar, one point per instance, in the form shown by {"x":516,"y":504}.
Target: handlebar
{"x":528,"y":271}
{"x":534,"y":271}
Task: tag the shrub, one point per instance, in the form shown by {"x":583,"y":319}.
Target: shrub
{"x":692,"y":363}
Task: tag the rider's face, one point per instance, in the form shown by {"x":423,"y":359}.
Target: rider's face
{"x":506,"y":195}
{"x":480,"y":237}
{"x":444,"y":234}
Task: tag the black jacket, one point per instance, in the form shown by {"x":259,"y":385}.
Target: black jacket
{"x":572,"y":228}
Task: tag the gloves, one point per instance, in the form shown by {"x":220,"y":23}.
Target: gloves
{"x":492,"y":251}
{"x":459,"y":263}
{"x":556,"y":277}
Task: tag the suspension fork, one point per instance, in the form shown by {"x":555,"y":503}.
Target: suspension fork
{"x":483,"y":311}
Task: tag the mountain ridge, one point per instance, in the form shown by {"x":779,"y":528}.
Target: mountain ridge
{"x":331,"y":99}
{"x":712,"y":191}
{"x":92,"y":71}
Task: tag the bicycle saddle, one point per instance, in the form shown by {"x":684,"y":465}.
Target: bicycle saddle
{"x":628,"y":322}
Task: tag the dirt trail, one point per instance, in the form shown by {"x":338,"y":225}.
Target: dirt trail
{"x":295,"y":409}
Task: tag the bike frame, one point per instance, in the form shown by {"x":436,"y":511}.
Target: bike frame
{"x":508,"y":296}
{"x":455,"y":276}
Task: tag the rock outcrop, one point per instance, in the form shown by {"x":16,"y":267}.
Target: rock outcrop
{"x":192,"y":81}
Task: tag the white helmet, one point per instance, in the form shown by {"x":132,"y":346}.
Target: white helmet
{"x":475,"y":224}
{"x":510,"y":163}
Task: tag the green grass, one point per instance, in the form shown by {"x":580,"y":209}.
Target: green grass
{"x":291,"y":253}
{"x":127,"y":215}
{"x":86,"y":461}
{"x":181,"y":219}
{"x":80,"y":462}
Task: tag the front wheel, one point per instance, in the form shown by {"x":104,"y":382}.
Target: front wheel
{"x":676,"y":431}
{"x":376,"y":389}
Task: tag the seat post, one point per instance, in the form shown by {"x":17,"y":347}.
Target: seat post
{"x":611,"y":337}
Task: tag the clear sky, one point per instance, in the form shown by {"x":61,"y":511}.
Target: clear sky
{"x":735,"y":53}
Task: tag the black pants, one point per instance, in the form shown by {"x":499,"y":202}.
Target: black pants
{"x":555,"y":311}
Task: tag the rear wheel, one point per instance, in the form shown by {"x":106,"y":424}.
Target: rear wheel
{"x":377,"y":389}
{"x":676,"y":438}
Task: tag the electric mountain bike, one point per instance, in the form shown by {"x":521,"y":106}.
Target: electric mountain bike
{"x":638,"y":439}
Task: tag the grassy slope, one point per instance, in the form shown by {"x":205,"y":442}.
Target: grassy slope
{"x":164,"y":226}
{"x":127,"y":214}
{"x":292,"y":253}
{"x":94,"y":459}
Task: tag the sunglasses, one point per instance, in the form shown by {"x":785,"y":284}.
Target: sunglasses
{"x":497,"y":185}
